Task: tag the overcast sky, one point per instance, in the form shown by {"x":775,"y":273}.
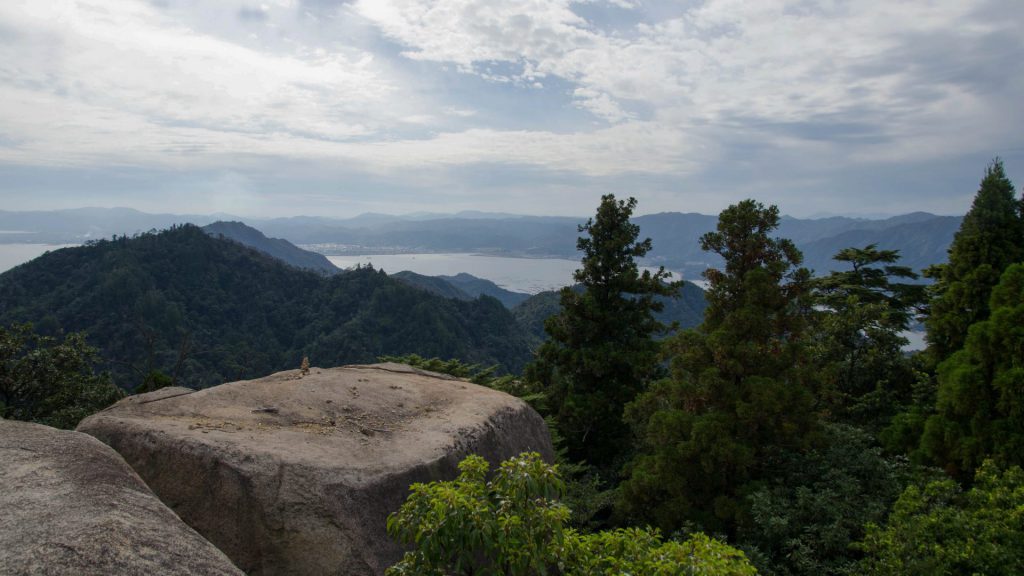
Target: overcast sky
{"x":332,"y":107}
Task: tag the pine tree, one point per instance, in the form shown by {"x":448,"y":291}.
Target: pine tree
{"x":602,"y":350}
{"x":980,"y":408}
{"x":865,"y":376}
{"x":740,"y":389}
{"x":990,"y":238}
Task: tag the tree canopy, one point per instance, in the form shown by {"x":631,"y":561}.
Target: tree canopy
{"x":514,"y":525}
{"x":865,"y":377}
{"x":49,"y":380}
{"x":741,"y":384}
{"x":939,"y":529}
{"x":980,"y":407}
{"x":990,"y":238}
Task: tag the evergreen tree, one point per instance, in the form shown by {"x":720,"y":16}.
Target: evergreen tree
{"x":990,"y":238}
{"x":602,"y":350}
{"x":740,"y":390}
{"x":864,"y":374}
{"x":980,"y":407}
{"x":50,"y":381}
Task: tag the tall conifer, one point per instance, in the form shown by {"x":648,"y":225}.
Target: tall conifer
{"x":740,"y":388}
{"x":602,"y":350}
{"x":990,"y":238}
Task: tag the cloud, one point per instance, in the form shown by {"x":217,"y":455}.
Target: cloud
{"x":694,"y":99}
{"x":252,"y":14}
{"x":731,"y":64}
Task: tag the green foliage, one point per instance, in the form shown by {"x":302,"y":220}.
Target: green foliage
{"x":483,"y":375}
{"x":741,"y":384}
{"x":155,"y":380}
{"x":510,"y":525}
{"x":50,"y":381}
{"x":939,"y":530}
{"x":242,"y":313}
{"x":980,"y":406}
{"x":514,"y":525}
{"x":602,"y":349}
{"x":865,"y":377}
{"x":642,"y":551}
{"x":990,"y":238}
{"x":814,"y":504}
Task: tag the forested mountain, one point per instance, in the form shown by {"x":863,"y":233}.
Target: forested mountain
{"x":281,"y":249}
{"x":203,"y":310}
{"x":433,"y":284}
{"x":480,"y":287}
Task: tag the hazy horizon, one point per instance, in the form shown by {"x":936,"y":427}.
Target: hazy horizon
{"x":462,"y":213}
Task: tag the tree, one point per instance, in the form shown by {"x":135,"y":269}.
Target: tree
{"x":602,"y":352}
{"x":938,"y":529}
{"x":980,"y":407}
{"x":741,"y":384}
{"x":865,"y":377}
{"x":814,"y":504}
{"x":49,"y":381}
{"x":990,"y":238}
{"x":514,"y":525}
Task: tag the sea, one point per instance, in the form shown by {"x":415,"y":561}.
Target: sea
{"x":13,"y":254}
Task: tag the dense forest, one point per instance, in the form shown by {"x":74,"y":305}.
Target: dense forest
{"x":789,"y":424}
{"x":199,"y":310}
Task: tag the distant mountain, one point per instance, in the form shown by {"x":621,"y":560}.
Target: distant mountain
{"x":523,"y":235}
{"x":281,"y":249}
{"x":922,"y":238}
{"x":687,"y":310}
{"x":461,"y":287}
{"x":237,"y":313}
{"x":476,"y":287}
{"x":434,"y":284}
{"x":921,"y":242}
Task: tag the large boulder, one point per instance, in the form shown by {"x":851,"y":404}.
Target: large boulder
{"x":293,"y":474}
{"x":70,"y":505}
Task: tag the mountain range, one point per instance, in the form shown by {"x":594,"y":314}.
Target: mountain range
{"x":921,"y":238}
{"x":203,"y":310}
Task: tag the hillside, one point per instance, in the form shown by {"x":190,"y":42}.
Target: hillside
{"x":462,"y":286}
{"x":433,"y":284}
{"x":480,"y":287}
{"x":237,"y":313}
{"x":276,"y":247}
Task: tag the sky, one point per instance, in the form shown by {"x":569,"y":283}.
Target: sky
{"x":339,"y":107}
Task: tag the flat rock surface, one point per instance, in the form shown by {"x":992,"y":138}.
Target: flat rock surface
{"x":70,"y":505}
{"x":293,"y":474}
